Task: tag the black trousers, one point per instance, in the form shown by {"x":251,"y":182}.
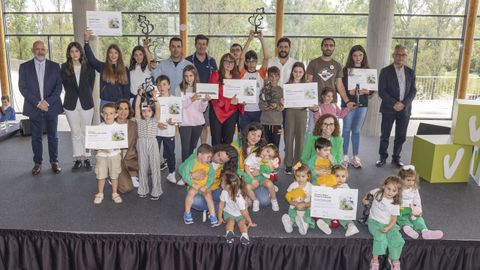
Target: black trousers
{"x":222,"y":133}
{"x":168,"y":151}
{"x":37,"y":134}
{"x":272,"y":134}
{"x":189,"y":136}
{"x":401,"y":120}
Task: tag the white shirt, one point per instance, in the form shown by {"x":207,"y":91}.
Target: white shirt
{"x":253,"y":161}
{"x":344,"y":185}
{"x":233,"y":207}
{"x":168,"y":132}
{"x":137,"y":77}
{"x":40,"y":69}
{"x":285,"y":70}
{"x":253,"y":107}
{"x":382,"y":211}
{"x":411,"y":196}
{"x":307,"y":188}
{"x":77,"y":69}
{"x":109,"y":152}
{"x":401,"y":80}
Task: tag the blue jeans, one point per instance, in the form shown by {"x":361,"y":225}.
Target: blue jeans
{"x":311,"y":123}
{"x":263,"y":196}
{"x":352,"y":123}
{"x":200,"y":204}
{"x":249,"y":117}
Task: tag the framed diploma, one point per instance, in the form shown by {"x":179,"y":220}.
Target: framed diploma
{"x":105,"y":23}
{"x":364,"y":77}
{"x":300,"y":95}
{"x":170,"y":108}
{"x":246,"y":90}
{"x":106,"y":136}
{"x":334,"y":203}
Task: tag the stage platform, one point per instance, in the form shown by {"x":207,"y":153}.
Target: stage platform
{"x":50,"y":222}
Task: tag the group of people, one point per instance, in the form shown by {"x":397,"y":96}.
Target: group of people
{"x":228,"y":176}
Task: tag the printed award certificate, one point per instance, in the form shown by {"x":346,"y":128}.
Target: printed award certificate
{"x":364,"y":77}
{"x":300,"y":95}
{"x":204,"y":89}
{"x":334,"y":203}
{"x":246,"y":90}
{"x":170,"y":107}
{"x":105,"y":23}
{"x":106,"y":137}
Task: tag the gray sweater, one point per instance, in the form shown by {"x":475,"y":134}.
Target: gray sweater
{"x":271,"y":105}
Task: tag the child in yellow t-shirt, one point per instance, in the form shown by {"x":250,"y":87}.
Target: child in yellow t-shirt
{"x":321,"y":164}
{"x":197,"y":172}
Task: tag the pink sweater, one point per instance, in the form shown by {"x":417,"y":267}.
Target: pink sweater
{"x":192,"y":114}
{"x":331,"y":108}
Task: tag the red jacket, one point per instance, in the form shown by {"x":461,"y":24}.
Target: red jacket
{"x":222,"y":106}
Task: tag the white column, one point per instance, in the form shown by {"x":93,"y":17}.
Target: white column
{"x":79,"y":9}
{"x":379,"y":41}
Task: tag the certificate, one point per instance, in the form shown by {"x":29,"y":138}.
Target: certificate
{"x":334,"y":203}
{"x":364,"y":77}
{"x":204,"y":89}
{"x":246,"y":90}
{"x":105,"y":23}
{"x":300,"y":95}
{"x":106,"y":136}
{"x":170,"y":108}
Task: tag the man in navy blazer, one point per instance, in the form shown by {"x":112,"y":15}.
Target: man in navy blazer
{"x":396,"y":87}
{"x":40,"y":84}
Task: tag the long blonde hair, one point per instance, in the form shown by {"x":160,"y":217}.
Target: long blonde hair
{"x":395,"y":180}
{"x":117,"y":75}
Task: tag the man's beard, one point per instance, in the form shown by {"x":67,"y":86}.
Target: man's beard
{"x":283,"y":54}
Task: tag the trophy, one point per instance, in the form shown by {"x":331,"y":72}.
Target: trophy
{"x":145,"y":24}
{"x":357,"y":93}
{"x":256,"y":19}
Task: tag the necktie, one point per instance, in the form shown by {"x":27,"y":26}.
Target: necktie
{"x":40,"y":76}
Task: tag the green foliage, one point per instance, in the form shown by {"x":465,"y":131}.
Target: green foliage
{"x":435,"y":57}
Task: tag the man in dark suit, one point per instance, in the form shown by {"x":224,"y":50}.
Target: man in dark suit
{"x":40,"y":84}
{"x":397,"y":89}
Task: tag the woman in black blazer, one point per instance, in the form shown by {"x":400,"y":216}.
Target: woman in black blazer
{"x":78,"y":79}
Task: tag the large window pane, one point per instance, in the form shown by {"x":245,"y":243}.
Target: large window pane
{"x":38,"y":5}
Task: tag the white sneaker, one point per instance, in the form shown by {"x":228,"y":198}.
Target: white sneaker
{"x":356,"y":162}
{"x":180,"y":182}
{"x":171,"y":178}
{"x":275,"y":206}
{"x":345,"y":161}
{"x":256,"y":206}
{"x":135,"y":182}
{"x":287,"y":223}
{"x":275,"y":188}
{"x":323,"y":226}
{"x":351,"y":229}
{"x":302,"y":225}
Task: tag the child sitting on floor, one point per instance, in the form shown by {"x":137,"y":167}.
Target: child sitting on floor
{"x":382,"y":221}
{"x":197,"y":172}
{"x":411,"y":219}
{"x":341,"y":174}
{"x":233,"y":208}
{"x":298,"y":197}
